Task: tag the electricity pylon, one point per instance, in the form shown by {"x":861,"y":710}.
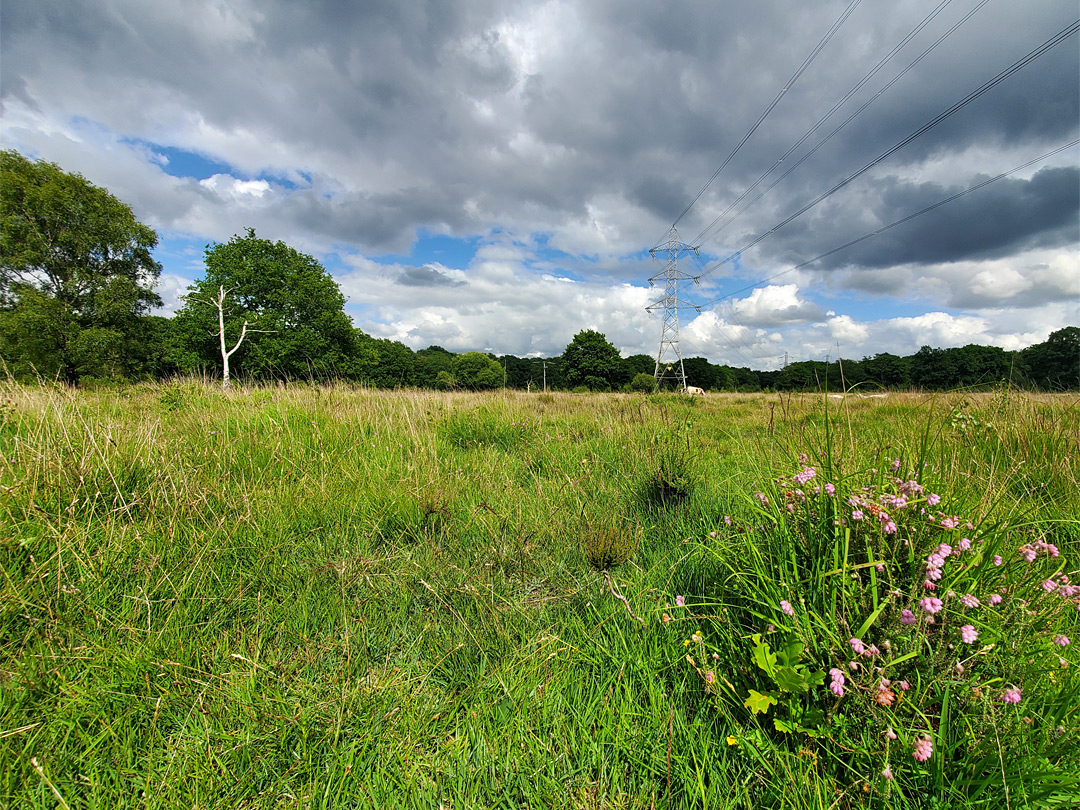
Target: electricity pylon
{"x":669,"y":361}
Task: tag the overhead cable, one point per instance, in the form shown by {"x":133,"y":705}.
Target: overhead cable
{"x":1055,"y":40}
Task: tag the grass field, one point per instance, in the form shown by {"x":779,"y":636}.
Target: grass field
{"x":332,"y":597}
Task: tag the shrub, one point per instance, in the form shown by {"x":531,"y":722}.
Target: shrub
{"x":909,"y":646}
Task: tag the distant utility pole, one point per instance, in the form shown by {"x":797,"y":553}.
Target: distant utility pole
{"x":669,"y":360}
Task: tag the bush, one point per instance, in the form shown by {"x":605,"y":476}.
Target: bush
{"x":911,"y":647}
{"x":643,"y":383}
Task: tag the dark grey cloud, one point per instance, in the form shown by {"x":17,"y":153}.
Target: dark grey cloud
{"x":426,"y":276}
{"x":590,"y":123}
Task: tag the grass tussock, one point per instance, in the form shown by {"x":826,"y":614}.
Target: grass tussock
{"x":312,"y":596}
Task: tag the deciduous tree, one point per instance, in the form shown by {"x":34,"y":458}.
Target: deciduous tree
{"x":76,"y":274}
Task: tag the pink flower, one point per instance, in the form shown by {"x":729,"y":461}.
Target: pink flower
{"x":854,"y":666}
{"x":857,"y":514}
{"x":872,"y":650}
{"x":932,"y":499}
{"x":968,"y":634}
{"x":804,"y":476}
{"x":1028,"y":552}
{"x":950,"y":522}
{"x":887,"y":773}
{"x":964,"y":544}
{"x":680,"y":601}
{"x":1049,"y":586}
{"x":727,"y":520}
{"x":969,"y":601}
{"x":857,"y":646}
{"x":995,"y":599}
{"x":997,"y":559}
{"x":904,"y":685}
{"x":907,"y":617}
{"x":710,"y":677}
{"x":931,"y":604}
{"x":935,"y":560}
{"x":785,"y":606}
{"x":943,"y":550}
{"x":837,"y":685}
{"x":890,"y":734}
{"x":830,"y":490}
{"x":896,"y":465}
{"x":1011,"y":695}
{"x":762,"y":498}
{"x":923,"y":748}
{"x":665,"y":618}
{"x":1062,"y":640}
{"x":890,"y":528}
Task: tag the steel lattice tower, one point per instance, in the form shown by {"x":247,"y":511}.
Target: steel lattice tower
{"x":669,"y":361}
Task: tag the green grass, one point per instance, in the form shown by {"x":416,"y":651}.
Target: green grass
{"x":332,"y":597}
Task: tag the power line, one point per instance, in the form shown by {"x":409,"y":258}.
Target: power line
{"x":858,"y":86}
{"x":783,"y":91}
{"x":901,"y":221}
{"x":1055,"y":40}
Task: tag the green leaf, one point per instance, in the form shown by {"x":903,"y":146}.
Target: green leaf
{"x":765,"y":659}
{"x":784,"y":726}
{"x":790,"y":679}
{"x":789,"y":654}
{"x":759,"y":703}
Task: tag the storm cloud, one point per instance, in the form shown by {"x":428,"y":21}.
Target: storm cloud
{"x":578,"y":132}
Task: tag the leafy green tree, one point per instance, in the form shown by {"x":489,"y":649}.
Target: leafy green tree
{"x":700,"y":372}
{"x":643,"y":383}
{"x":430,"y":362}
{"x":887,"y":370}
{"x":382,"y":363}
{"x":591,"y":361}
{"x":640,"y":364}
{"x":76,"y":274}
{"x":933,"y":369}
{"x":279,"y":309}
{"x":1054,"y":365}
{"x":477,"y":371}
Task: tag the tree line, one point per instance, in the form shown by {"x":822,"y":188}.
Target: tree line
{"x":77,"y":278}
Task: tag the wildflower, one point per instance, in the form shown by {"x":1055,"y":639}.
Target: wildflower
{"x":680,"y":601}
{"x":731,"y":740}
{"x":959,"y":668}
{"x":803,"y":458}
{"x":710,"y":677}
{"x":830,"y":490}
{"x":935,"y":560}
{"x":896,"y":465}
{"x":804,"y":476}
{"x":907,"y":617}
{"x":665,"y":618}
{"x":1028,"y":552}
{"x":995,"y":599}
{"x":889,"y":527}
{"x":923,"y":749}
{"x":1049,"y":586}
{"x":890,"y":733}
{"x":932,"y":499}
{"x":716,"y":656}
{"x":884,"y":696}
{"x":950,"y":522}
{"x":964,"y":544}
{"x":762,"y":497}
{"x":872,"y":650}
{"x":883,"y":517}
{"x":899,"y":502}
{"x":727,"y":520}
{"x":997,"y":559}
{"x":697,"y":638}
{"x":857,"y":515}
{"x":785,"y":606}
{"x":944,"y":549}
{"x":968,"y":634}
{"x":837,"y":685}
{"x":969,"y":601}
{"x":1011,"y":695}
{"x":854,"y":666}
{"x":1062,"y":640}
{"x":857,"y":646}
{"x":931,"y":604}
{"x":887,"y":773}
{"x":904,"y":685}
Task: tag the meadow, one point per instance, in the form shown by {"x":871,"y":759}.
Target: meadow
{"x":322,"y":597}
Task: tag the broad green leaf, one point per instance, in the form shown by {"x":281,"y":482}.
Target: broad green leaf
{"x":762,"y":657}
{"x":759,"y":703}
{"x":790,"y":679}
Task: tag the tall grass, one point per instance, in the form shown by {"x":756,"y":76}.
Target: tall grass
{"x":334,"y":597}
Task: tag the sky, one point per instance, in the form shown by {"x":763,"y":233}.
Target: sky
{"x":491,"y":176}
